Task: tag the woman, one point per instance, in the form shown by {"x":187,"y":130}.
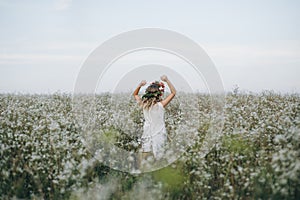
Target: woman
{"x":154,"y":134}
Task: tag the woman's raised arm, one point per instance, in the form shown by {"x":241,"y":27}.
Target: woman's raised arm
{"x":167,"y":100}
{"x":136,"y":91}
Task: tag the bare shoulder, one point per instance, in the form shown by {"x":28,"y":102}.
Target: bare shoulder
{"x":160,"y":104}
{"x":168,"y":99}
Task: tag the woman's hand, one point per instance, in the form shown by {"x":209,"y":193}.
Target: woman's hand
{"x":164,"y":78}
{"x":143,"y":82}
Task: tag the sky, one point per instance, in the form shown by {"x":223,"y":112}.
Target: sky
{"x":254,"y":45}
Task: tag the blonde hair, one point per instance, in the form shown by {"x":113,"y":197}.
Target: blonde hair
{"x":152,"y":95}
{"x":148,"y":103}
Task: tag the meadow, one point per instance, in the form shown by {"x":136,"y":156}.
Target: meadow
{"x":256,"y":156}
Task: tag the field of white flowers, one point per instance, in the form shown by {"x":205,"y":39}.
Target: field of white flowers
{"x":257,"y":155}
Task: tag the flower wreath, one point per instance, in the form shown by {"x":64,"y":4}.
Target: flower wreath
{"x":161,"y":90}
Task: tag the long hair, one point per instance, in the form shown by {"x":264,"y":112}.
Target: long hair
{"x":153,"y":95}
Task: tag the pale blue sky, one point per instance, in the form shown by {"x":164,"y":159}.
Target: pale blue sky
{"x":254,"y":44}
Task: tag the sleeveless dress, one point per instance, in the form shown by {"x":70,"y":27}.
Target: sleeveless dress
{"x":154,"y":135}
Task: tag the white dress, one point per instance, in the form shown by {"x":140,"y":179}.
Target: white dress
{"x":154,"y":136}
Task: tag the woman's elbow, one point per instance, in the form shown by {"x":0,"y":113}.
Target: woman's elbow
{"x":173,"y":94}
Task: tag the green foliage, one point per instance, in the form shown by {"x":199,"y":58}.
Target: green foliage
{"x":172,"y":179}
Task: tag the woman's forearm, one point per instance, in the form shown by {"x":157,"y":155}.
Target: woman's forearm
{"x":137,"y":90}
{"x":171,"y":86}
